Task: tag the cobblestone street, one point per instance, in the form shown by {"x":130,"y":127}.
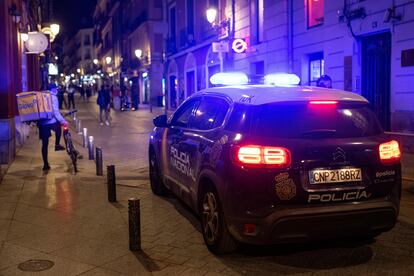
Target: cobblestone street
{"x":66,"y":218}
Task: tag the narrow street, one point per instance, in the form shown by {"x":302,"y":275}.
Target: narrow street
{"x":66,"y":219}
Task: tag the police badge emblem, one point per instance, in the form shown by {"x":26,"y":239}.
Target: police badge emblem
{"x":285,"y":188}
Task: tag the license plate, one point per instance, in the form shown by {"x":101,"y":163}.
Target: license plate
{"x":335,"y":176}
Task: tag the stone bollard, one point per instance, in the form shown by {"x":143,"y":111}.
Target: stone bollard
{"x":78,"y":126}
{"x":90,"y":148}
{"x":134,"y":218}
{"x":85,"y":137}
{"x":111,"y":181}
{"x":99,"y":162}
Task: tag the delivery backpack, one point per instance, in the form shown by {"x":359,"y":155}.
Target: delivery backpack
{"x":35,"y":106}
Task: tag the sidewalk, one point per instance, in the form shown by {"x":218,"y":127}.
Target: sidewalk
{"x":66,"y":219}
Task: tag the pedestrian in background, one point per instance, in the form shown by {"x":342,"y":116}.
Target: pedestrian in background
{"x":82,"y":92}
{"x":104,"y":100}
{"x":135,"y":94}
{"x":116,"y":97}
{"x":71,"y":96}
{"x":88,"y":92}
{"x":61,"y":97}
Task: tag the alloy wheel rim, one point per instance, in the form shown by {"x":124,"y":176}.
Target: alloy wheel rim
{"x":211,"y":217}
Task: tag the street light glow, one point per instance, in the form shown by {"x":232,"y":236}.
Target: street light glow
{"x":211,"y":15}
{"x":138,"y":53}
{"x":24,"y":37}
{"x":55,"y":28}
{"x":108,"y":60}
{"x":78,"y":70}
{"x":95,"y":61}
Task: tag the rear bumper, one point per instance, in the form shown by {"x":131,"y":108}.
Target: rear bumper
{"x":315,"y":223}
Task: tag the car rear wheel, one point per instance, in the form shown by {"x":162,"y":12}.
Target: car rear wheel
{"x":213,"y":225}
{"x":157,"y":185}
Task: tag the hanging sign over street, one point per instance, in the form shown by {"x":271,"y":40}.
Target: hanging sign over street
{"x":239,"y":45}
{"x":220,"y":47}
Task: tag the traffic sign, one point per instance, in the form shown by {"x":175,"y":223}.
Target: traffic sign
{"x":220,"y":47}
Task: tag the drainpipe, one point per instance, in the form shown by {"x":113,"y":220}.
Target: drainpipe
{"x":290,"y":34}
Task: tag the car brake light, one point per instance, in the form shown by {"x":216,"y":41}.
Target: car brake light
{"x":268,"y":156}
{"x":323,"y":102}
{"x":250,"y":155}
{"x":389,"y":151}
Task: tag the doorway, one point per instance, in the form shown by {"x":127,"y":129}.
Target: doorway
{"x":190,"y":77}
{"x":376,"y":75}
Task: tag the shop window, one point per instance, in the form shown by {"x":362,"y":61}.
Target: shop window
{"x":316,"y":12}
{"x":316,"y":67}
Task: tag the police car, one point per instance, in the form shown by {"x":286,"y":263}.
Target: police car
{"x":277,"y":163}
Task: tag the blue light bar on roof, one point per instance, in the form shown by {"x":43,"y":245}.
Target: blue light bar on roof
{"x":234,"y":78}
{"x":282,"y":79}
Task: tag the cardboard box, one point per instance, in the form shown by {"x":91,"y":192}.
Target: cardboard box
{"x":34,"y":106}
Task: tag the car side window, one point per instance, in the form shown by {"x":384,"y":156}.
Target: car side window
{"x":184,"y":112}
{"x":210,"y":113}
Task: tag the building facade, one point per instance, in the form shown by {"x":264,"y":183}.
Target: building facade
{"x":20,"y":70}
{"x":85,"y":52}
{"x":143,"y":48}
{"x":122,"y":29}
{"x":365,"y":46}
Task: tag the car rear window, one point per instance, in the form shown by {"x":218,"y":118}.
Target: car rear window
{"x":303,"y":120}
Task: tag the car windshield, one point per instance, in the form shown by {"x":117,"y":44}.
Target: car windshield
{"x":304,"y":120}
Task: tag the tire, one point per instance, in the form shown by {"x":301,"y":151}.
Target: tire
{"x":157,"y":185}
{"x":213,"y":224}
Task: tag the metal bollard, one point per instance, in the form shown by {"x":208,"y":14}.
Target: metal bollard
{"x":85,"y":137}
{"x":90,"y":148}
{"x":78,"y":126}
{"x":110,"y":170}
{"x":134,"y":218}
{"x":99,"y":163}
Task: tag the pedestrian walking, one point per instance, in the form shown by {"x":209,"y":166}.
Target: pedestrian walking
{"x":71,"y":96}
{"x":116,"y":97}
{"x":54,"y":124}
{"x":104,"y":100}
{"x":88,"y":91}
{"x":82,"y":92}
{"x":61,"y":97}
{"x":135,"y":94}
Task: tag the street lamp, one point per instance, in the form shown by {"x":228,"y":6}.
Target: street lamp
{"x":95,"y":61}
{"x":138,"y":53}
{"x":78,"y":70}
{"x":211,"y":15}
{"x":55,"y":28}
{"x":108,"y":60}
{"x":24,"y":37}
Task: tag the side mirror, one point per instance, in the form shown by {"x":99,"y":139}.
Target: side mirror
{"x":160,"y":121}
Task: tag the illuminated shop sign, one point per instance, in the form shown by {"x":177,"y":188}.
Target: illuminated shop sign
{"x":239,"y":45}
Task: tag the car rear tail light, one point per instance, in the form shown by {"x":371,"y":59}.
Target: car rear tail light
{"x":389,"y":152}
{"x":323,"y":102}
{"x":266,"y":156}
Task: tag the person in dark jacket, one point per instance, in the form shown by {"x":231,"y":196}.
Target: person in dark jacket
{"x":104,"y":100}
{"x":135,"y":94}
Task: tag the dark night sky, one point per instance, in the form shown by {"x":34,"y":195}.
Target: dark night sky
{"x":73,"y":15}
